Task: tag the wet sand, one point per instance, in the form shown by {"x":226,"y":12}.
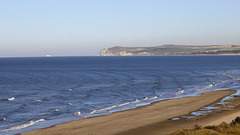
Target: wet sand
{"x":151,"y":119}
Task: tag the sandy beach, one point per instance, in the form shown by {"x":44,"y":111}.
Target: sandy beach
{"x":152,"y":119}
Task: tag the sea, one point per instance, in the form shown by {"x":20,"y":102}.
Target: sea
{"x":38,"y":92}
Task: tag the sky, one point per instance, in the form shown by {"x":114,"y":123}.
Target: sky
{"x":30,"y":28}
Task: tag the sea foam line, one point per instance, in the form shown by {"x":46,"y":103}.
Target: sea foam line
{"x":32,"y":122}
{"x":179,"y":92}
{"x":146,"y":99}
{"x":227,"y":75}
{"x":121,"y":105}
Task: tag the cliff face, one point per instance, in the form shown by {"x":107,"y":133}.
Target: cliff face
{"x":123,"y":51}
{"x":171,"y":50}
{"x":115,"y":51}
{"x":105,"y":52}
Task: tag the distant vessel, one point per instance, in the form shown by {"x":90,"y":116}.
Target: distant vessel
{"x":48,"y":55}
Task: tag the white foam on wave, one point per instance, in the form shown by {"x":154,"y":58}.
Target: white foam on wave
{"x":103,"y":109}
{"x":107,"y":108}
{"x":43,"y":114}
{"x":11,"y":99}
{"x":179,"y":92}
{"x":32,"y":122}
{"x":123,"y":104}
{"x":55,"y":110}
{"x":152,"y":97}
{"x":146,"y":98}
{"x":67,"y":103}
{"x":92,"y":112}
{"x":135,"y":101}
{"x":77,"y":114}
{"x":4,"y":118}
{"x":237,"y":76}
{"x":227,"y":75}
{"x":118,"y":106}
{"x":149,"y":98}
{"x":37,"y":101}
{"x":207,"y":86}
{"x":220,"y":83}
{"x":113,"y":106}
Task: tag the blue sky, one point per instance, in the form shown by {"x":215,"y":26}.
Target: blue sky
{"x":83,"y":27}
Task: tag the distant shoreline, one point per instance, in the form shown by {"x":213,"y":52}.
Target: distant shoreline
{"x":167,"y":55}
{"x":168,"y":50}
{"x":13,"y":57}
{"x":141,"y":120}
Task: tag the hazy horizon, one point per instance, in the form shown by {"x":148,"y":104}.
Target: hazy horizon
{"x":50,"y":55}
{"x":83,"y":28}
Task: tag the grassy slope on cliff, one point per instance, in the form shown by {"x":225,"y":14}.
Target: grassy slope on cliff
{"x":178,"y":50}
{"x":222,"y":129}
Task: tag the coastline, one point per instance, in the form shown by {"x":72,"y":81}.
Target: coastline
{"x":145,"y":119}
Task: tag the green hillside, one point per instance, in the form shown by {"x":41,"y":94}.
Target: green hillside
{"x":172,"y":50}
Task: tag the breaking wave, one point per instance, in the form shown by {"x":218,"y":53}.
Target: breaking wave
{"x":30,"y":123}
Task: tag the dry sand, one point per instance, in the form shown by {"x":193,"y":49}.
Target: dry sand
{"x":149,"y":120}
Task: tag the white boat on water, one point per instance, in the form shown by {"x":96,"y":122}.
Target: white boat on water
{"x":48,"y":55}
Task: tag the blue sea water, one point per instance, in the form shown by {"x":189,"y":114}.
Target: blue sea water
{"x":39,"y":92}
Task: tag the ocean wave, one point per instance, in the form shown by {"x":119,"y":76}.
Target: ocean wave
{"x":237,"y":76}
{"x":102,"y":110}
{"x":92,"y":112}
{"x":69,"y":89}
{"x":55,"y":110}
{"x":40,"y":114}
{"x":37,"y":101}
{"x":146,"y":98}
{"x":227,"y":75}
{"x":67,"y":103}
{"x":149,"y":98}
{"x":77,"y":114}
{"x":207,"y":86}
{"x":11,"y":99}
{"x":135,"y":101}
{"x":8,"y":99}
{"x":4,"y":119}
{"x":32,"y":122}
{"x":123,"y":104}
{"x":107,"y":108}
{"x":179,"y":92}
{"x":154,"y":97}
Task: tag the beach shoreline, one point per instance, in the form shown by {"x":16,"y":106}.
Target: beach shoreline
{"x":141,"y":119}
